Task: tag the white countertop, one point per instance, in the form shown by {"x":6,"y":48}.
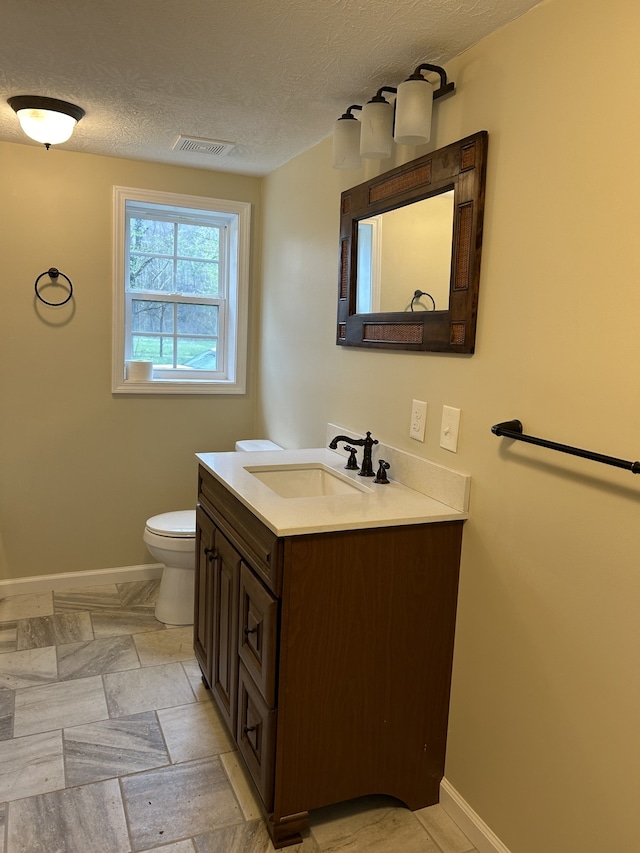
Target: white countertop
{"x":379,"y":506}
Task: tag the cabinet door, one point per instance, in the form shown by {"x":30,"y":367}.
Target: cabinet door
{"x":203,"y":615}
{"x":225,"y":628}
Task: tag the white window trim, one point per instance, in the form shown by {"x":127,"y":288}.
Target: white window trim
{"x":238,"y":308}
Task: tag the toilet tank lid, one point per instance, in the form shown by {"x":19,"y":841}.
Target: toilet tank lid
{"x":256,"y":444}
{"x":181,"y":524}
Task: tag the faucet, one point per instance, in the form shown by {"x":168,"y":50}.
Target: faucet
{"x":367,"y":443}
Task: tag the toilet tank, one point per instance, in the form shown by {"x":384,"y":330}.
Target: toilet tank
{"x":257,"y":444}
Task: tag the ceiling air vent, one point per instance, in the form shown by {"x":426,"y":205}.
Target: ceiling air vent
{"x":217,"y":147}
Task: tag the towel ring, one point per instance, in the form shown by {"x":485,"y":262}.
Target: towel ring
{"x":53,"y":273}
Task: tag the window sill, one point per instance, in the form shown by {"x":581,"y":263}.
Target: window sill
{"x":185,"y":386}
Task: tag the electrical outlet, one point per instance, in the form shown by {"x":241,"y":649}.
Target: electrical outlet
{"x":418,"y":420}
{"x":450,"y":428}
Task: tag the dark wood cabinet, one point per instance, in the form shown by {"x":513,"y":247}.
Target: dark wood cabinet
{"x":328,"y":654}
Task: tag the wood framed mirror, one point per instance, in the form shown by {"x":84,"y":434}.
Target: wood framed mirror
{"x":398,"y":232}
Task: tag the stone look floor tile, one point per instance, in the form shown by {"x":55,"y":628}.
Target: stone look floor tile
{"x":242,"y":786}
{"x":206,"y":802}
{"x":31,"y":765}
{"x":112,"y":748}
{"x":111,"y":654}
{"x":115,"y":622}
{"x":7,"y":701}
{"x":142,"y":594}
{"x":173,"y":644}
{"x":25,"y":606}
{"x":147,"y":689}
{"x":247,"y":838}
{"x":178,"y":847}
{"x":194,"y":674}
{"x":443,"y":830}
{"x":68,"y":703}
{"x":29,"y":668}
{"x":89,"y":819}
{"x":3,"y":823}
{"x":8,"y":636}
{"x":42,"y":631}
{"x":371,"y":824}
{"x":194,"y":731}
{"x":87,"y":598}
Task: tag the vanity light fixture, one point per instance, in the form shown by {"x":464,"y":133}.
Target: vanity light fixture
{"x":407,"y":121}
{"x":46,"y":120}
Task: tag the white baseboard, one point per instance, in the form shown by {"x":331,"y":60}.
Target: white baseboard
{"x":479,"y":834}
{"x":69,"y":580}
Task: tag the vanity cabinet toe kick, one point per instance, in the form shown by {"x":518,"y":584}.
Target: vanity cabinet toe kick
{"x":328,"y":655}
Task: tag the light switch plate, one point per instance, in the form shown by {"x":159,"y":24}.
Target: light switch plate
{"x":418,"y":420}
{"x":450,"y":428}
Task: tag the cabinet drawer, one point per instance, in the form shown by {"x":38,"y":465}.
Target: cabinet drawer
{"x":256,"y":736}
{"x":259,"y":545}
{"x":257,"y":637}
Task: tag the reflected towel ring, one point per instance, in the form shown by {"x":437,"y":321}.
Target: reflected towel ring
{"x":53,"y":273}
{"x":418,"y":294}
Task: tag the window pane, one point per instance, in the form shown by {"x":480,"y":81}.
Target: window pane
{"x":153,"y":348}
{"x":151,"y":235}
{"x":199,"y":278}
{"x":198,"y":241}
{"x":147,"y":273}
{"x":197,"y":354}
{"x":197,"y":319}
{"x":151,"y":316}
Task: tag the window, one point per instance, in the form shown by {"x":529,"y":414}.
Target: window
{"x":180,"y":292}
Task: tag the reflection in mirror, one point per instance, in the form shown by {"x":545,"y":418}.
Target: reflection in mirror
{"x":403,"y":251}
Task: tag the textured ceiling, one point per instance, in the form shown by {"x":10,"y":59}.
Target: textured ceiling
{"x":271,"y":77}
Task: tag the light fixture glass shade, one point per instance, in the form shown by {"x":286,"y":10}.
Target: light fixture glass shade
{"x":346,"y":143}
{"x":46,"y":126}
{"x":376,"y":136}
{"x":46,"y":120}
{"x":414,"y":105}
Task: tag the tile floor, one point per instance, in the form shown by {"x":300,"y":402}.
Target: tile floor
{"x":109,"y":743}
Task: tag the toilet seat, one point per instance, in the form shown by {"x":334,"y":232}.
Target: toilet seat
{"x":174,"y":525}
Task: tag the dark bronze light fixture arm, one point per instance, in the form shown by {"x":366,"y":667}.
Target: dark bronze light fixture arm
{"x":445,"y":88}
{"x":348,"y":114}
{"x":378,"y":97}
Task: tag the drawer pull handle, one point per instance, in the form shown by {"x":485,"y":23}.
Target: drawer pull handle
{"x":211,"y":554}
{"x":248,"y":631}
{"x":248,"y":729}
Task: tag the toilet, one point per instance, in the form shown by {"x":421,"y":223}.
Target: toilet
{"x":171,"y":539}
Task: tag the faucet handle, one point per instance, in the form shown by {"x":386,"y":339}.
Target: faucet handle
{"x":352,"y":464}
{"x":381,"y":476}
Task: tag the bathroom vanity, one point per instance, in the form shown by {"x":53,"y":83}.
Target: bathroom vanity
{"x":324,"y":626}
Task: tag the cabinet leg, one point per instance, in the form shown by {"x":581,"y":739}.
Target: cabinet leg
{"x":287,"y":830}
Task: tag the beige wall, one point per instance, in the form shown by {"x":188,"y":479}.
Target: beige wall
{"x":81,"y":469}
{"x":543,"y":740}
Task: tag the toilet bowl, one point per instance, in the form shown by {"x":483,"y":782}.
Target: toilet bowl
{"x":171,"y":539}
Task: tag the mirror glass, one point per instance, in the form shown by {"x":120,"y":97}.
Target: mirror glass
{"x":410,"y":250}
{"x":403,"y":251}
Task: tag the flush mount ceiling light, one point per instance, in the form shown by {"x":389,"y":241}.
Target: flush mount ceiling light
{"x":46,"y":120}
{"x":407,"y":121}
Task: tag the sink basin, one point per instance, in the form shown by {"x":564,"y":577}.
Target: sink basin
{"x":313,"y":480}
